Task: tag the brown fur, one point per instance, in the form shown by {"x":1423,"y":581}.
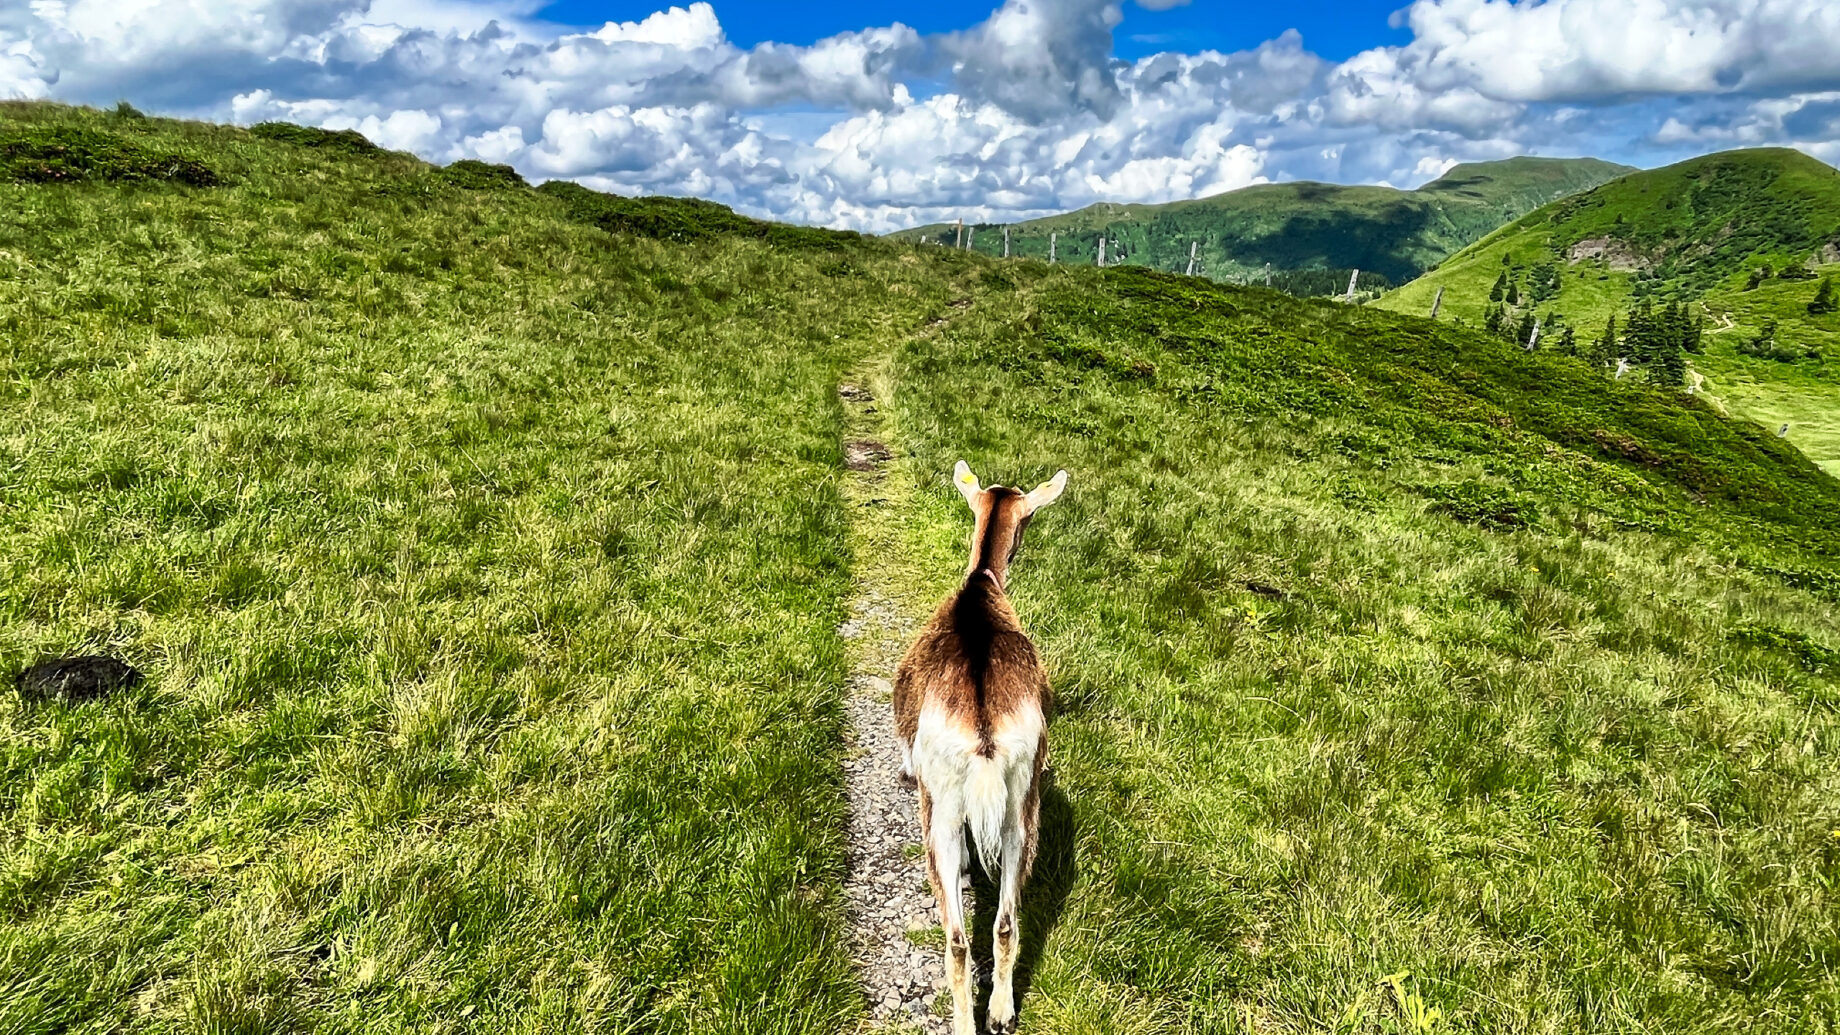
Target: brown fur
{"x":973,"y":662}
{"x":972,"y":656}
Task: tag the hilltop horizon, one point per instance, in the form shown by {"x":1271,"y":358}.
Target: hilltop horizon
{"x":886,"y":115}
{"x":1110,"y":208}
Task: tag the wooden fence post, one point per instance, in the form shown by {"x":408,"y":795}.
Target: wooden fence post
{"x":959,"y":240}
{"x":1101,"y":251}
{"x":1533,"y":339}
{"x":1051,"y":237}
{"x":1268,"y":274}
{"x":970,"y":237}
{"x":1006,"y":242}
{"x":1438,"y":301}
{"x":1349,"y":297}
{"x":1192,"y":245}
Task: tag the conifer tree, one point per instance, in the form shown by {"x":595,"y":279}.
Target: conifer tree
{"x":1568,"y":341}
{"x":1501,"y":285}
{"x":1669,"y":363}
{"x":1605,"y":348}
{"x":1639,"y":333}
{"x":1524,"y":329}
{"x":1491,"y":321}
{"x":1824,"y":301}
{"x":1513,"y":295}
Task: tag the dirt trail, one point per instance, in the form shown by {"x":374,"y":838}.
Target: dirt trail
{"x":893,"y":921}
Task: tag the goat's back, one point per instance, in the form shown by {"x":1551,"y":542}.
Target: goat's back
{"x":975,"y":667}
{"x":971,"y":702}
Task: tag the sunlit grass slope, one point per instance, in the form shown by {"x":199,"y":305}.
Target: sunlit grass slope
{"x":484,"y":549}
{"x":485,"y":567}
{"x":1693,"y":231}
{"x":1382,"y":647}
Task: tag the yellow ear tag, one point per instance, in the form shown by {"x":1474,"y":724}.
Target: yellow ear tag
{"x":968,"y":478}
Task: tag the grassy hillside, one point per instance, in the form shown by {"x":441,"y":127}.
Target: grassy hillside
{"x":1695,"y":232}
{"x":1304,"y":225}
{"x":485,"y":567}
{"x":485,"y":552}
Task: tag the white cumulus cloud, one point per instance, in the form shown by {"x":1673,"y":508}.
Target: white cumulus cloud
{"x":1027,"y":112}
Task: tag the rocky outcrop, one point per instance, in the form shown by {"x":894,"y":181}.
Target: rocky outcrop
{"x":1617,"y":255}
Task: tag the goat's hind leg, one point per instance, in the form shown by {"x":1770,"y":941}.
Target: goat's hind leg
{"x":946,"y":856}
{"x":907,"y":764}
{"x":1006,"y":938}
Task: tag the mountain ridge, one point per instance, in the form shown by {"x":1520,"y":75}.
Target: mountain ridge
{"x":1386,"y":230}
{"x":1742,"y":238}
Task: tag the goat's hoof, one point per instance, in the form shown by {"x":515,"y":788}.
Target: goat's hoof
{"x":996,"y":1027}
{"x":909,"y":781}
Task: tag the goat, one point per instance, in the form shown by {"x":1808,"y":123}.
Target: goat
{"x":970,"y":708}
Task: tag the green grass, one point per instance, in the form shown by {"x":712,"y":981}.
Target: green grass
{"x":1553,"y":772}
{"x":485,"y":567}
{"x":1691,"y":231}
{"x":1302,"y":225}
{"x":485,"y":550}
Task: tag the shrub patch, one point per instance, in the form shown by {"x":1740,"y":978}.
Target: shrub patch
{"x":470,"y":174}
{"x":349,"y":141}
{"x":63,"y":154}
{"x":1474,"y":503}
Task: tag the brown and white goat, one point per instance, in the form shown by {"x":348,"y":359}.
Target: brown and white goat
{"x":971,"y":706}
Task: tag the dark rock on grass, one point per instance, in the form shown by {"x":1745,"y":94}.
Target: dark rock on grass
{"x":863,"y":454}
{"x":76,"y":679}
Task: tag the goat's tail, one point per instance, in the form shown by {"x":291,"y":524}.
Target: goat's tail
{"x":986,"y":808}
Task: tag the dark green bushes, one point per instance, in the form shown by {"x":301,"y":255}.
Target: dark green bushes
{"x":1488,"y":506}
{"x":349,"y":141}
{"x":470,"y":174}
{"x":683,"y":219}
{"x":1765,"y":346}
{"x":64,"y":154}
{"x":1813,"y":655}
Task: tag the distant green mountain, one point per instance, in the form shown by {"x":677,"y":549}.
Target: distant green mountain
{"x":1743,"y":237}
{"x":1302,"y":225}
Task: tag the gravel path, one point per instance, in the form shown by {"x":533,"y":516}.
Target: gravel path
{"x":894,"y":923}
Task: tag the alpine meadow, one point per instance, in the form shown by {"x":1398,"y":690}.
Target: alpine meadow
{"x":489,"y":551}
{"x":1742,"y":242}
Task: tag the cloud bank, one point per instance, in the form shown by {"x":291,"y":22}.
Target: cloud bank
{"x":1025,"y":113}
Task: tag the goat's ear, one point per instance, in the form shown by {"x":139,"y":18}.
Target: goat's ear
{"x":967,"y":482}
{"x":1047,"y":492}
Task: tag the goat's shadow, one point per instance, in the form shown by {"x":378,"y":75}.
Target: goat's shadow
{"x":1043,"y":897}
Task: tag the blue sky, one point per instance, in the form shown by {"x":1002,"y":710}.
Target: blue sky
{"x":879,"y":114}
{"x":1333,"y":30}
